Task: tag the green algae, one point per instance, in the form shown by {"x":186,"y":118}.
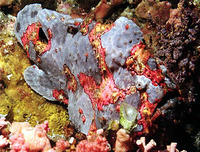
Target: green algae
{"x":17,"y":101}
{"x":197,"y":3}
{"x":114,"y":125}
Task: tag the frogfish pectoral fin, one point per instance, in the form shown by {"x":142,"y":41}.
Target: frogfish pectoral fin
{"x":39,"y":82}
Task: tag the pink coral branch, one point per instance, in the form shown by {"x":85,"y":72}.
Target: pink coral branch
{"x":3,"y":141}
{"x":3,"y":123}
{"x":172,"y":147}
{"x":145,"y":147}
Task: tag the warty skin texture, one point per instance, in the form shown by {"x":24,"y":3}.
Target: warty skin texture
{"x":92,"y":72}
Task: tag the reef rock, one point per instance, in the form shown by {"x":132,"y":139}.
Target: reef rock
{"x":5,"y":2}
{"x":93,"y":72}
{"x":17,"y":101}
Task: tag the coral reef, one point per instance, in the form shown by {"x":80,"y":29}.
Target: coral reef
{"x":23,"y":137}
{"x":176,"y":43}
{"x":196,"y":3}
{"x":18,"y":101}
{"x":173,"y":38}
{"x":104,"y":7}
{"x":5,"y":2}
{"x":51,"y":4}
{"x":179,"y":33}
{"x":149,"y":146}
{"x":26,"y":138}
{"x":64,"y":7}
{"x":157,"y":11}
{"x":94,"y":143}
{"x":93,"y":72}
{"x":108,"y":76}
{"x":145,"y":147}
{"x":20,"y":136}
{"x":87,"y":4}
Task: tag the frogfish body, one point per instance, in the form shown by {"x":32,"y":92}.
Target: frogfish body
{"x":105,"y":75}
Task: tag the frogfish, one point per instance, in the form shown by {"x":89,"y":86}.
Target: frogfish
{"x":103,"y":72}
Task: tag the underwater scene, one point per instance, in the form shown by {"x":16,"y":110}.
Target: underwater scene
{"x":99,"y":76}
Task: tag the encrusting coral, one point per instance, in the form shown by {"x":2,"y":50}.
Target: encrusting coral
{"x":105,"y":76}
{"x":5,"y":2}
{"x":93,"y":69}
{"x":94,"y":143}
{"x":17,"y":101}
{"x":179,"y":43}
{"x":26,"y":138}
{"x":20,"y":136}
{"x":173,"y":36}
{"x":23,"y":137}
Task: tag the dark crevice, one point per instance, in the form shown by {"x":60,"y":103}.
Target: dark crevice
{"x":42,"y":36}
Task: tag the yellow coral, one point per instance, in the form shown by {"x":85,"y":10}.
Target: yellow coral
{"x":18,"y":102}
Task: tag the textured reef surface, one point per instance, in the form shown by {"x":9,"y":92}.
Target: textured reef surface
{"x":125,"y":72}
{"x":18,"y":103}
{"x":102,"y":71}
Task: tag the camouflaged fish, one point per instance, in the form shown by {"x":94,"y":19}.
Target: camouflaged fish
{"x":105,"y":75}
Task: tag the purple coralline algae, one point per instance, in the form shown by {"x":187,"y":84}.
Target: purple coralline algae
{"x":92,"y":72}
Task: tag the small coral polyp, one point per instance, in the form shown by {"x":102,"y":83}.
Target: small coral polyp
{"x":94,"y":72}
